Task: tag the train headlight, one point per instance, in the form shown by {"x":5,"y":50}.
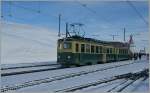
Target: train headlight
{"x":69,"y":57}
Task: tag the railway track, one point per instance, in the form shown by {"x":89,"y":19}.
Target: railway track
{"x":28,"y":69}
{"x":126,"y":83}
{"x":55,"y":78}
{"x":130,"y":76}
{"x":17,"y":67}
{"x":11,"y":72}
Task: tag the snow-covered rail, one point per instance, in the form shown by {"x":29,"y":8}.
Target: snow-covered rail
{"x":55,"y":78}
{"x":143,"y":75}
{"x":130,"y":76}
{"x":28,"y":69}
{"x":28,"y":66}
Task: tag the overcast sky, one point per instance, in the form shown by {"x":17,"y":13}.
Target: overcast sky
{"x":99,"y":17}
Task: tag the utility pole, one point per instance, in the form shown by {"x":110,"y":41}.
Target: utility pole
{"x":66,"y":30}
{"x":124,"y":33}
{"x":59,"y":25}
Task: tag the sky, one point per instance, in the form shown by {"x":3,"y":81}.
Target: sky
{"x":101,"y":19}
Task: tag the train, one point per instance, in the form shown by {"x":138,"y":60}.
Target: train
{"x":79,"y":51}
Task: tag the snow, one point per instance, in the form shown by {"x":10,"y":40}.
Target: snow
{"x":40,"y":75}
{"x":75,"y":81}
{"x":139,"y":86}
{"x":142,"y":87}
{"x":22,"y":43}
{"x":101,"y":87}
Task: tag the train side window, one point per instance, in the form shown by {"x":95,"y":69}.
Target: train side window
{"x":67,"y":45}
{"x":87,"y":48}
{"x":77,"y":47}
{"x":92,"y":49}
{"x":97,"y":49}
{"x":119,"y":51}
{"x":104,"y":50}
{"x":110,"y":50}
{"x":100,"y":49}
{"x":107,"y":50}
{"x":82,"y":47}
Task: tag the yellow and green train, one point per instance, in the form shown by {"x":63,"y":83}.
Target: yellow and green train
{"x":79,"y":51}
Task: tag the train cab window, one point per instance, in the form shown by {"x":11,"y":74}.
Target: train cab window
{"x":67,"y":45}
{"x":87,"y":48}
{"x":77,"y":47}
{"x":92,"y":49}
{"x":82,"y":47}
{"x":59,"y":46}
{"x":97,"y":49}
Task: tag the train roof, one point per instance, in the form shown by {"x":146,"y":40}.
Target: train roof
{"x":112,"y":43}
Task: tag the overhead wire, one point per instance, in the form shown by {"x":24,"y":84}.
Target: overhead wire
{"x":94,"y":12}
{"x":39,"y":11}
{"x":137,"y":12}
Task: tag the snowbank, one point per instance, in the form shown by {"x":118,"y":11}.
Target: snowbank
{"x":22,"y":43}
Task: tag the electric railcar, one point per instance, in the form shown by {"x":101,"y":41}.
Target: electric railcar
{"x":79,"y":51}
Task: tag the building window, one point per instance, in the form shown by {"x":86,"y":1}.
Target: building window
{"x":88,"y":48}
{"x":92,"y":49}
{"x":77,"y":47}
{"x":82,"y":47}
{"x":67,"y":45}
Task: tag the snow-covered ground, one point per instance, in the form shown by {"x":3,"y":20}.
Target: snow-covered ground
{"x":22,"y":43}
{"x":78,"y":80}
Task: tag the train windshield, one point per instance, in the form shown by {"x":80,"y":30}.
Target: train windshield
{"x":67,"y":45}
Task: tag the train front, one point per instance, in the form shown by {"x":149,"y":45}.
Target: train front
{"x":64,"y":52}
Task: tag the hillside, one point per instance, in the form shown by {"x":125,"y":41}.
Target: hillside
{"x":22,"y":43}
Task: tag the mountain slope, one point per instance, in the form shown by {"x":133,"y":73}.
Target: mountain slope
{"x":21,"y":43}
